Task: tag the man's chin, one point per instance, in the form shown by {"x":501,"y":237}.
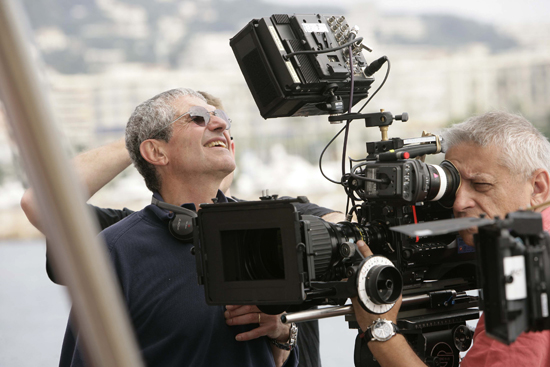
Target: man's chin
{"x":225,"y":168}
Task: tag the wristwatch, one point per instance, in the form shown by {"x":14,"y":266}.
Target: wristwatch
{"x":291,"y":340}
{"x":381,"y":330}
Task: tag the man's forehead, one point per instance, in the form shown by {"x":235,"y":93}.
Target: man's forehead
{"x":183,"y":104}
{"x":474,"y":161}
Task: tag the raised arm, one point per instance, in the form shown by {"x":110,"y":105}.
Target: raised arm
{"x":95,"y":168}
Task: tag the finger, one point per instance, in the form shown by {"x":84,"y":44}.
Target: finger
{"x":271,"y":328}
{"x":365,"y":250}
{"x":243,"y":308}
{"x":252,"y":334}
{"x":240,"y":310}
{"x":235,"y":307}
{"x":249,"y":318}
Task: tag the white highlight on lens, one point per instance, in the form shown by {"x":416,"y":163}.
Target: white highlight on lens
{"x":442,"y":183}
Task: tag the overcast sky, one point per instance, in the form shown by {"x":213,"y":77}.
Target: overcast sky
{"x":494,"y":11}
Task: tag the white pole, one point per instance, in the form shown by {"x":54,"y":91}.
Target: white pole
{"x":79,"y":258}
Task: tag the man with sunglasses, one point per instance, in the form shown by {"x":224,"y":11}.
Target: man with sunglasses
{"x":180,"y":145}
{"x":201,"y":117}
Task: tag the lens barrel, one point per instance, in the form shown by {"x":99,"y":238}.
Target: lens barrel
{"x":444,"y":181}
{"x":326,"y":240}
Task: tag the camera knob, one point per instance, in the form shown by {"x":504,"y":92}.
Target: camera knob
{"x":388,"y":211}
{"x":347,"y":250}
{"x":403,"y":117}
{"x":379,"y":284}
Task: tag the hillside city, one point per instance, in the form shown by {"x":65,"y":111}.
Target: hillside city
{"x":101,"y":58}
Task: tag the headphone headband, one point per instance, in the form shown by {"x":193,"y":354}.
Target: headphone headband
{"x":181,"y":225}
{"x":173,"y":208}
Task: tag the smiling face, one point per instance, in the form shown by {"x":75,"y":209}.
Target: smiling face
{"x":486,"y":185}
{"x":199,"y":150}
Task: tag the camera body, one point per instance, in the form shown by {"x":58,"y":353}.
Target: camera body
{"x":267,"y":254}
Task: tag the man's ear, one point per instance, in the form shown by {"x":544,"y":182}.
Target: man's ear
{"x":541,"y":187}
{"x":153,"y":152}
{"x":232,"y":148}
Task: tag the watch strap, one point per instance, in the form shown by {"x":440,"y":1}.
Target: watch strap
{"x":292,"y":340}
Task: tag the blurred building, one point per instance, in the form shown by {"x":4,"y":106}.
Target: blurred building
{"x":110,"y":55}
{"x":434,"y":86}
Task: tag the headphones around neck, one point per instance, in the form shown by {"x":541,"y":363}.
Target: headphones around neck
{"x":182,"y":224}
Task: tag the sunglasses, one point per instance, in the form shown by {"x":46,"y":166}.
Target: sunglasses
{"x":201,"y":117}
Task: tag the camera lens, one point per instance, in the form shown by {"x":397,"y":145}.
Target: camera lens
{"x":444,"y":181}
{"x":252,"y":254}
{"x":327,"y":242}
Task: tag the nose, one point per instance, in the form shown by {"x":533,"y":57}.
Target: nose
{"x":217,"y":123}
{"x":463,"y":199}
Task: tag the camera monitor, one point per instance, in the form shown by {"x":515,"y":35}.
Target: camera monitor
{"x":315,"y":83}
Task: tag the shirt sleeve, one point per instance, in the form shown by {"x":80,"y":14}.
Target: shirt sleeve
{"x":529,"y":349}
{"x":105,"y":217}
{"x":293,"y":359}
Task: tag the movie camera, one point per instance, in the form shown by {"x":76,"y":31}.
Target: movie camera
{"x":266,"y":253}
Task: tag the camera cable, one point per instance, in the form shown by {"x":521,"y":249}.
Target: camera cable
{"x":379,"y":64}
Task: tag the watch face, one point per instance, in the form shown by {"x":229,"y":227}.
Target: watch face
{"x":382,"y":330}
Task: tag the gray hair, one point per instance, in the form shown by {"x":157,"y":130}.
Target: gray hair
{"x":150,"y":120}
{"x":524,"y":148}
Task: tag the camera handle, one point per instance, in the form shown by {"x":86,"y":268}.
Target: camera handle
{"x":382,"y":120}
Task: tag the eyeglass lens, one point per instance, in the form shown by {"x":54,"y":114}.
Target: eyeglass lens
{"x":201,"y":116}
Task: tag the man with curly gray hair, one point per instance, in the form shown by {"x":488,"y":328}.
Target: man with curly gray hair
{"x":504,"y":165}
{"x":181,"y":146}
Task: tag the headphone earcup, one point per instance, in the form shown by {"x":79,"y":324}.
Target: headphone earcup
{"x":181,"y":227}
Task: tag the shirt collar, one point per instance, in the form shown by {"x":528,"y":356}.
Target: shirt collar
{"x":166,"y":215}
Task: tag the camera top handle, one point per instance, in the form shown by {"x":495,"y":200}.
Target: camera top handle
{"x":382,"y":118}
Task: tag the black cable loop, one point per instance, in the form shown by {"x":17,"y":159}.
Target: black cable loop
{"x":380,"y":87}
{"x":323,"y":153}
